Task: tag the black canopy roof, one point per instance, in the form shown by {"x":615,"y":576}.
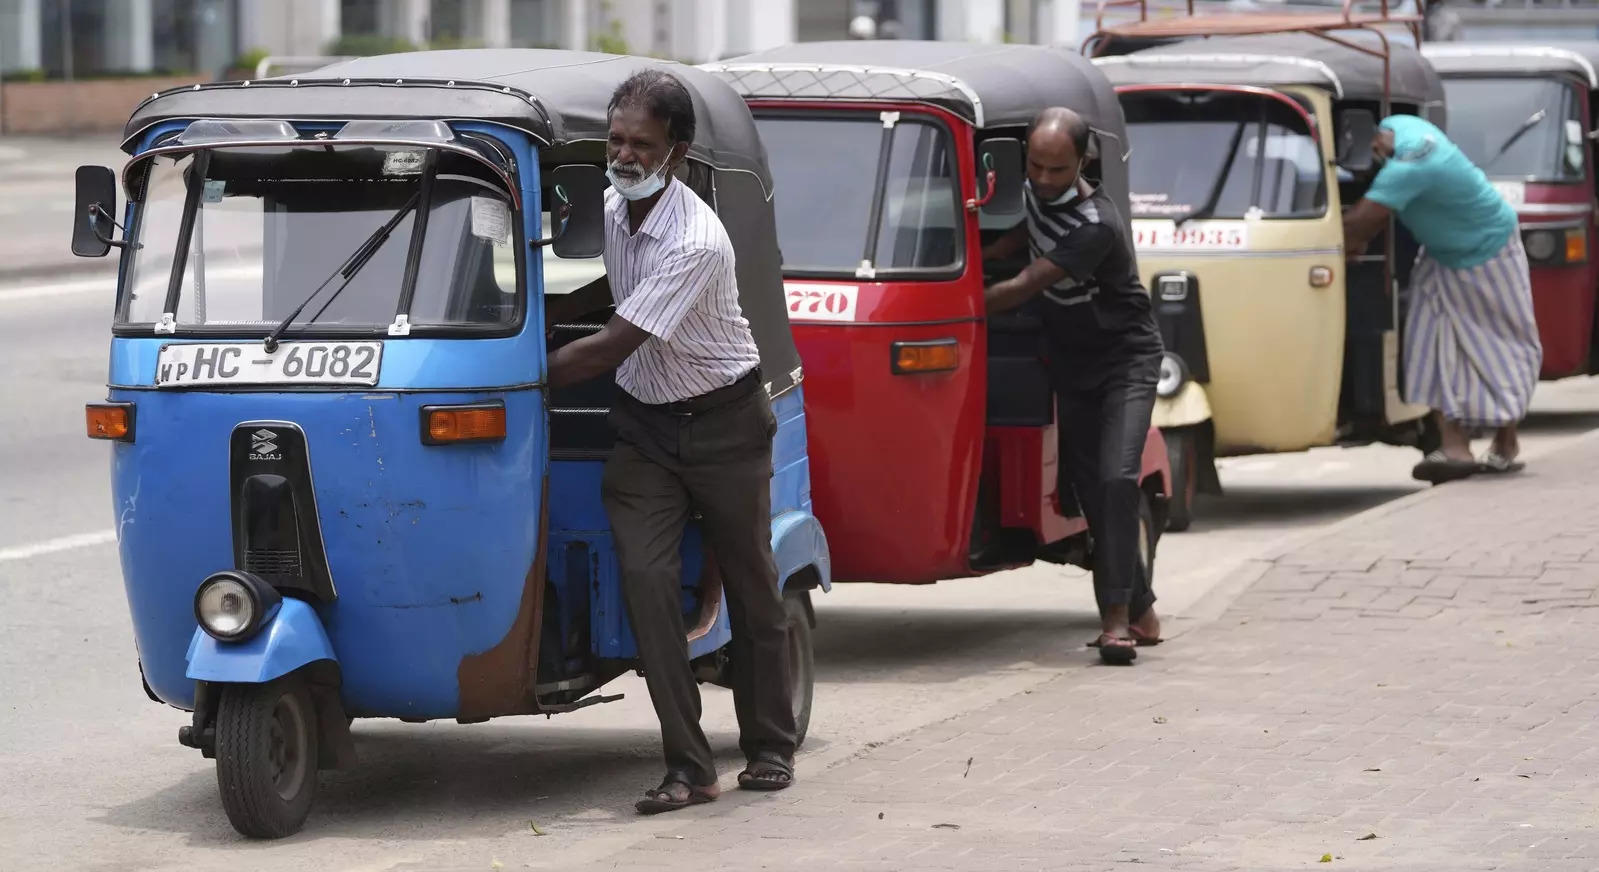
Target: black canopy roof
{"x":1580,"y":59}
{"x":988,"y":85}
{"x":1278,"y":59}
{"x":557,"y":96}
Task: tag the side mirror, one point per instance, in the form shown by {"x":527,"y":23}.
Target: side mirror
{"x":1357,"y":129}
{"x":580,"y":209}
{"x":1001,"y":172}
{"x":92,"y":222}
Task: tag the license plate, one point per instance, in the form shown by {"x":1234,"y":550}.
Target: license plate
{"x":1194,"y":235}
{"x":248,"y":363}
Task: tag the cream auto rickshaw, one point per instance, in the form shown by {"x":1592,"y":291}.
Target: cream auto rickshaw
{"x":1245,"y":151}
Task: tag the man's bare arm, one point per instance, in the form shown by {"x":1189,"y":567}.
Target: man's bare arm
{"x":595,"y":355}
{"x":1027,"y":284}
{"x":1362,"y":223}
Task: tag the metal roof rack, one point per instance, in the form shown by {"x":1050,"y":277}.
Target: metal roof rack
{"x":1325,"y":25}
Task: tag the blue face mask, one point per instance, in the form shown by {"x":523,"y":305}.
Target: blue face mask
{"x":639,"y":188}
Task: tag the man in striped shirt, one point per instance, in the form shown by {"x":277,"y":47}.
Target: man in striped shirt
{"x":694,"y":435}
{"x":1104,"y":356}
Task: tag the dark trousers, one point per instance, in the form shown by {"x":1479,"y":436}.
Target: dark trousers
{"x":711,"y":456}
{"x":1102,"y":434}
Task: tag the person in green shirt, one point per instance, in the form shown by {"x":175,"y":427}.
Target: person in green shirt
{"x":1471,"y":349}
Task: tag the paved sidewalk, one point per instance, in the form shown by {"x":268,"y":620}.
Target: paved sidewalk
{"x":1427,"y":674}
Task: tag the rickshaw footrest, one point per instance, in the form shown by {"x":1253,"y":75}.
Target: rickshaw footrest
{"x":574,"y":706}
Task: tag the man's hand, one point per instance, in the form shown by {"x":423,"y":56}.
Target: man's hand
{"x":595,"y":355}
{"x":1362,"y":223}
{"x":1027,"y":284}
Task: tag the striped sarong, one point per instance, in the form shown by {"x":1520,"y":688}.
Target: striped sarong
{"x":1471,"y":344}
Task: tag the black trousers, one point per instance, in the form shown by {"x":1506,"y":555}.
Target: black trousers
{"x":711,"y":456}
{"x":1102,"y":432}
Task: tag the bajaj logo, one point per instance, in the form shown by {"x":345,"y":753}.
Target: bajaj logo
{"x":264,"y":446}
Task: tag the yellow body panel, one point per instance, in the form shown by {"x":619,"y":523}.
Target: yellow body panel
{"x":1275,"y":344}
{"x":1190,"y":406}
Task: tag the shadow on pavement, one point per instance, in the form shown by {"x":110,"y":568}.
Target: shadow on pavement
{"x":932,"y":645}
{"x":1558,"y":423}
{"x":1245,"y":505}
{"x":417,"y":782}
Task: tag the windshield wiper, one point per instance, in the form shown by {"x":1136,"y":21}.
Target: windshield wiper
{"x":1209,"y":206}
{"x":359,"y":258}
{"x":1532,"y":121}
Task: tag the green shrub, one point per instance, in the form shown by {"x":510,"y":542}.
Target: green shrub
{"x":367,"y":44}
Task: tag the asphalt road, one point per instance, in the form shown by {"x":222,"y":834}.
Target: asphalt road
{"x":95,"y":779}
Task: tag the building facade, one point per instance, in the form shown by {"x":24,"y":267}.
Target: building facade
{"x":86,"y":39}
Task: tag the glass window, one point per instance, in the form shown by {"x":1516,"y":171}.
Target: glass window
{"x":1215,"y":154}
{"x":272,"y":228}
{"x":826,"y":173}
{"x":1517,"y":128}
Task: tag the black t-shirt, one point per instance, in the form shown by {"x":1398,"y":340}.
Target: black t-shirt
{"x":1098,"y":319}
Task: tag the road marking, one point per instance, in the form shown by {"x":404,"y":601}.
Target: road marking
{"x":51,"y":546}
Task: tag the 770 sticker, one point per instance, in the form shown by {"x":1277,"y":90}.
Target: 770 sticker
{"x":821,"y":302}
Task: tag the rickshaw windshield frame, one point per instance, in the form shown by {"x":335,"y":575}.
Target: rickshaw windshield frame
{"x":507,"y":187}
{"x":865,"y":266}
{"x":1570,"y":84}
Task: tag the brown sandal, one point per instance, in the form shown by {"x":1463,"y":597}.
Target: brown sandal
{"x":663,"y":798}
{"x":1116,"y":655}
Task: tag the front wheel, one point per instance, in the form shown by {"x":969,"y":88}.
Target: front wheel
{"x":801,"y":659}
{"x":1182,"y":453}
{"x":267,"y":756}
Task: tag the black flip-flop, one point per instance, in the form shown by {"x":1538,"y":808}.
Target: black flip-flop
{"x":660,"y":799}
{"x":1116,"y":655}
{"x":1139,"y":641}
{"x":768,"y":771}
{"x":1439,"y":468}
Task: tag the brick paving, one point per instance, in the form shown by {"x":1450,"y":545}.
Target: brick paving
{"x":1427,"y":674}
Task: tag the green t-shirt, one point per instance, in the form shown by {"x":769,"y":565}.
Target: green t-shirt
{"x":1441,"y":196}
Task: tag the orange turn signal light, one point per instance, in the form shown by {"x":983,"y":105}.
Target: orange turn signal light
{"x":109,"y":421}
{"x":933,"y":355}
{"x":1576,"y":245}
{"x":476,"y":422}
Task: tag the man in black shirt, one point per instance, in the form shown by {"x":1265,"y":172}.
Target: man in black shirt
{"x":1104,"y":356}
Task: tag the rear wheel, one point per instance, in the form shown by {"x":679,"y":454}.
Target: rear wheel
{"x":1148,"y":537}
{"x":801,"y":660}
{"x":267,"y":756}
{"x":1182,"y":453}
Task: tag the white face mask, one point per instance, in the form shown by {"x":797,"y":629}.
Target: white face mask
{"x":641,"y":186}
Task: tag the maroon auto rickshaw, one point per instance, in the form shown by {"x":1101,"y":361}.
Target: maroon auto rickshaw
{"x":1525,"y":115}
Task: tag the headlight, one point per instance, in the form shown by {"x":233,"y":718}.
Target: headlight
{"x":232,"y":606}
{"x":1542,"y":244}
{"x":1173,"y":373}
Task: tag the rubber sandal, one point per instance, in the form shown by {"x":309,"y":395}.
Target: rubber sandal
{"x":1494,"y":463}
{"x":1438,"y":468}
{"x":768,"y":771}
{"x":660,"y":799}
{"x":1116,"y":655}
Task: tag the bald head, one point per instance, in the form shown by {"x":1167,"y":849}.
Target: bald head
{"x":1057,"y":141}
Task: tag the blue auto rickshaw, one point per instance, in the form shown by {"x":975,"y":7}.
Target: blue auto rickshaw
{"x":341,"y":488}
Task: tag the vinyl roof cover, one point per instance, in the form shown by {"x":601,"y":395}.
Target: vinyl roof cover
{"x":1580,"y":59}
{"x":557,"y":96}
{"x":1279,"y":59}
{"x":987,"y":85}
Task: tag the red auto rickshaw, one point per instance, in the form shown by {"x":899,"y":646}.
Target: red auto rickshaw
{"x":1524,"y":114}
{"x":932,"y":427}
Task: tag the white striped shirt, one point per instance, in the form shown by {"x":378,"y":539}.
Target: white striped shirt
{"x":674,"y":279}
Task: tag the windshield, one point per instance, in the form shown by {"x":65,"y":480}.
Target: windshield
{"x":1484,"y":113}
{"x":1231,"y":152}
{"x":826,"y":171}
{"x":267,"y":226}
